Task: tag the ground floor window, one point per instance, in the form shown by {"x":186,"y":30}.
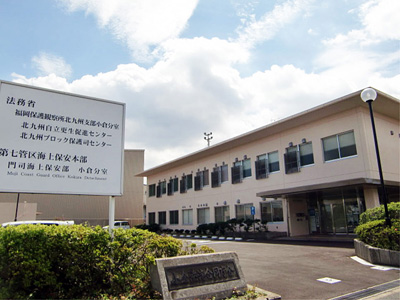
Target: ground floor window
{"x":203,"y":215}
{"x":162,"y":217}
{"x":243,"y":211}
{"x":187,"y":217}
{"x":222,"y":214}
{"x":174,"y":217}
{"x":272,"y":211}
{"x":152,"y":218}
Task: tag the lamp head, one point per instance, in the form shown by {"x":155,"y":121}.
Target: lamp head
{"x":368,"y":94}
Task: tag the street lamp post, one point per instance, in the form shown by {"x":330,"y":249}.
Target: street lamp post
{"x":369,"y":95}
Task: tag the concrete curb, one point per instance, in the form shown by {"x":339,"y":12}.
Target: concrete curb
{"x":266,"y":294}
{"x":376,"y":255}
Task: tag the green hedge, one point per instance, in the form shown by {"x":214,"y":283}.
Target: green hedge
{"x":67,"y":262}
{"x":377,"y":234}
{"x":378,"y":213}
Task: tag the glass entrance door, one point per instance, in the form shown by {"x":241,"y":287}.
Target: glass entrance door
{"x":335,"y":211}
{"x":338,"y":217}
{"x":326,"y":219}
{"x":333,"y":217}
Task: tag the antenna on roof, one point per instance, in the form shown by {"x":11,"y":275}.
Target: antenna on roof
{"x":208,"y":137}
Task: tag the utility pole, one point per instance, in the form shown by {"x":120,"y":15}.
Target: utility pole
{"x":208,"y":137}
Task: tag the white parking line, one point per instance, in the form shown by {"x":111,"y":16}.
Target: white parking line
{"x":374,"y":267}
{"x":206,"y":242}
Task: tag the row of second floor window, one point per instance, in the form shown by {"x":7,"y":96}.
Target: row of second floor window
{"x":296,"y":156}
{"x":269,"y":212}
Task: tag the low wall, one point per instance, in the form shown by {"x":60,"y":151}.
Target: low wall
{"x":377,"y":255}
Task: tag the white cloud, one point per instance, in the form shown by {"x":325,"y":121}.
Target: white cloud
{"x":381,"y":19}
{"x":140,"y":23}
{"x":256,"y":31}
{"x":195,"y":86}
{"x":354,"y":54}
{"x":47,"y":63}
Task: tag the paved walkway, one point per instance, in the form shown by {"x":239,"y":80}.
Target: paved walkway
{"x":393,"y":294}
{"x":308,"y":270}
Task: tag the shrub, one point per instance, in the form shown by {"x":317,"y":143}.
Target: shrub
{"x":377,"y":234}
{"x":39,"y":261}
{"x":151,"y":227}
{"x":202,"y":229}
{"x":378,"y":213}
{"x":222,"y":227}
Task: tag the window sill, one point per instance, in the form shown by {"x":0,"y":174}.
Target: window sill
{"x":339,"y":159}
{"x":306,"y":166}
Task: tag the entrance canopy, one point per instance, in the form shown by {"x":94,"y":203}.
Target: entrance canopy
{"x":315,"y":187}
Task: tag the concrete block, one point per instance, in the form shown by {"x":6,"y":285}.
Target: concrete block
{"x":376,"y":255}
{"x":384,"y":257}
{"x":202,"y":276}
{"x":394,"y":258}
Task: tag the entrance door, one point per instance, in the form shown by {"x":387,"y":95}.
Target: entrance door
{"x":335,"y":211}
{"x":326,"y":218}
{"x":333,"y":217}
{"x":339,"y":218}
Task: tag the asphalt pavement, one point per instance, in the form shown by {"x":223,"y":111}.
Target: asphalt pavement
{"x":311,"y":270}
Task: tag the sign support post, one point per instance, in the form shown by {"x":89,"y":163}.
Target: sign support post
{"x":111,"y":215}
{"x":16,"y":209}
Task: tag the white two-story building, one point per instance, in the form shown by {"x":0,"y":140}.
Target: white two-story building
{"x":311,"y":173}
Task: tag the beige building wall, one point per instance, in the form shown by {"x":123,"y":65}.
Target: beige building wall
{"x":343,"y":115}
{"x":91,"y":209}
{"x":26,"y":211}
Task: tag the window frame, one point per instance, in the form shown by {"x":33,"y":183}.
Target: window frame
{"x":301,"y":156}
{"x":161,"y":188}
{"x":270,"y":168}
{"x":239,"y":170}
{"x":293,"y":158}
{"x":172,"y":186}
{"x":174,"y":217}
{"x":152,"y":190}
{"x":261,"y":166}
{"x":246,"y":208}
{"x":219,"y":175}
{"x":162,"y":217}
{"x":186,"y":183}
{"x":152,"y":218}
{"x":187,"y":216}
{"x":224,"y":217}
{"x":337,"y":140}
{"x":224,"y":171}
{"x":271,"y":212}
{"x":201,"y":179}
{"x":206,"y":215}
{"x":216,"y":177}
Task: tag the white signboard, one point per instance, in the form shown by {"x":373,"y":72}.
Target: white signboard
{"x":59,"y":143}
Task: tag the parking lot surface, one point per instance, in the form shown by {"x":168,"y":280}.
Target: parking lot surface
{"x":305,"y":271}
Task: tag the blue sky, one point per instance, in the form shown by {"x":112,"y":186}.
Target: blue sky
{"x":185,"y":67}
